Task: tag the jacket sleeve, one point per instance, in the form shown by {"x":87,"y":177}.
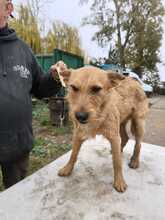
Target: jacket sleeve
{"x":43,"y":84}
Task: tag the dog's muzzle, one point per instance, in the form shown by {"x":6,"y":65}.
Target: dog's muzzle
{"x":82,"y":117}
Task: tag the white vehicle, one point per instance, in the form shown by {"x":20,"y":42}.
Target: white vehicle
{"x":148,"y":89}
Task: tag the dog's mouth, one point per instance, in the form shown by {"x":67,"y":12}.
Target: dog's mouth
{"x":83,"y":122}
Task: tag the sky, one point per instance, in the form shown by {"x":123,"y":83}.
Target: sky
{"x":70,"y":12}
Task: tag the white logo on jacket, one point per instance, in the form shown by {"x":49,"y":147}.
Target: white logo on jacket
{"x":24,"y":72}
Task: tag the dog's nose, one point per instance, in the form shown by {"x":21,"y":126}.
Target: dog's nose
{"x":82,"y":117}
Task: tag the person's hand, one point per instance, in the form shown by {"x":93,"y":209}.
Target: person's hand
{"x":56,"y":69}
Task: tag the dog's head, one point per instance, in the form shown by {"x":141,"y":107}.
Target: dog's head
{"x":88,"y":88}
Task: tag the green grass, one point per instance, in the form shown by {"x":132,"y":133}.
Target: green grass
{"x":41,"y":113}
{"x":50,"y":142}
{"x":41,"y":118}
{"x":45,"y":151}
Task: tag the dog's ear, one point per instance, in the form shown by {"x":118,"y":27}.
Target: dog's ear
{"x":115,"y":78}
{"x":65,"y":76}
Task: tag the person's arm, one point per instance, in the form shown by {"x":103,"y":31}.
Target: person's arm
{"x":44,"y":85}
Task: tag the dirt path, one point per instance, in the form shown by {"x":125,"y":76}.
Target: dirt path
{"x":155,"y":124}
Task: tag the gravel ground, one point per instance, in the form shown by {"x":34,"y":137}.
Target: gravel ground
{"x":155,"y":124}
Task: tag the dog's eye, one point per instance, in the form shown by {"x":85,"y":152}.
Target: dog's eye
{"x":96,"y":89}
{"x":74,"y":88}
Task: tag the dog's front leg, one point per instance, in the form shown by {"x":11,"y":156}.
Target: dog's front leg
{"x":119,"y":182}
{"x":67,"y":169}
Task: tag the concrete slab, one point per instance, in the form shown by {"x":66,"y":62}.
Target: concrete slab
{"x":88,"y":193}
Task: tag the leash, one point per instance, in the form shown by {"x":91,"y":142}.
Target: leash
{"x":62,"y":113}
{"x":62,"y":116}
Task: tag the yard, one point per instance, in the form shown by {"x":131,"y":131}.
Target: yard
{"x":50,"y":142}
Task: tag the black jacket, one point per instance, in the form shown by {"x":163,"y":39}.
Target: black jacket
{"x":20,"y":77}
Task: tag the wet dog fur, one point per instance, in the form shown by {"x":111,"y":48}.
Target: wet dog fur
{"x":103,"y":102}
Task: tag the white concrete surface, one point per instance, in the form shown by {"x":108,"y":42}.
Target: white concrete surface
{"x":88,"y":193}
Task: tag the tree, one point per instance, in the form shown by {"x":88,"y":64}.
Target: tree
{"x":146,"y":37}
{"x":113,"y":56}
{"x":133,"y":26}
{"x":30,"y":28}
{"x":37,"y":6}
{"x":152,"y":78}
{"x":27,"y":28}
{"x":64,"y":37}
{"x":61,"y":35}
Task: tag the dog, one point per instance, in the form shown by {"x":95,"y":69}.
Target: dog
{"x":103,"y":102}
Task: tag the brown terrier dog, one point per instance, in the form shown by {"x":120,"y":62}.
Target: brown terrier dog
{"x":102,"y":103}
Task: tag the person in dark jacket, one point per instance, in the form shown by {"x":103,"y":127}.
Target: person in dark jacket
{"x":20,"y":78}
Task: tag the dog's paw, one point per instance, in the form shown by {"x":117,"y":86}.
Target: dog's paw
{"x":120,"y":185}
{"x":134,"y":164}
{"x":65,"y":171}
